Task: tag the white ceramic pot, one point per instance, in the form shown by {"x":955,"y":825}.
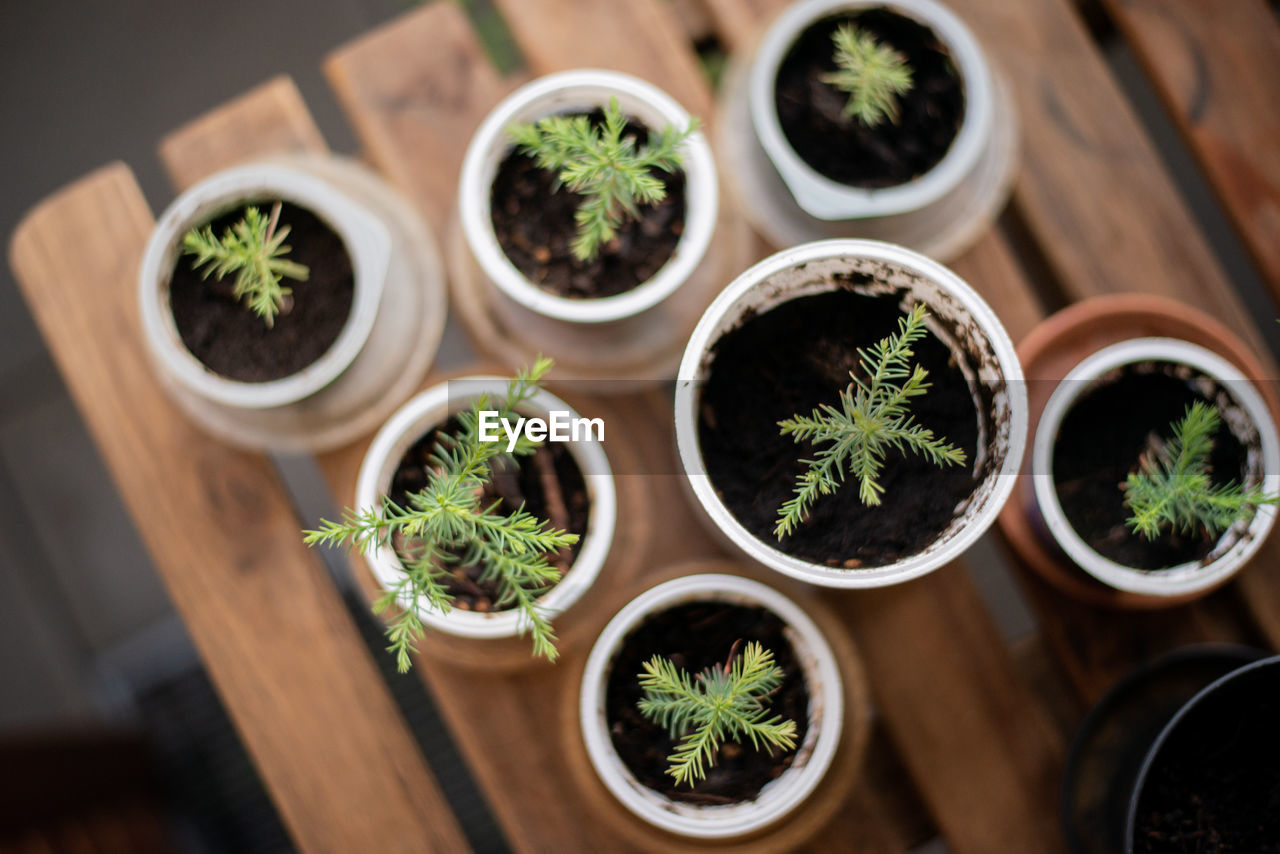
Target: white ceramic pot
{"x":428,"y":410}
{"x":958,"y":317}
{"x":812,"y":758}
{"x":619,"y":330}
{"x":394,"y":326}
{"x":938,"y":213}
{"x":1249,"y":421}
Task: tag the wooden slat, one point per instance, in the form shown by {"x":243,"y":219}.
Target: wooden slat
{"x":984,"y":754}
{"x":1217,"y":66}
{"x":246,"y":127}
{"x":290,"y":665}
{"x":740,"y":21}
{"x":1092,"y":189}
{"x":434,"y":107}
{"x":640,"y":37}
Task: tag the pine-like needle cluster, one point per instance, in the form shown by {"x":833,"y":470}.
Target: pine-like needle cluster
{"x":873,"y":416}
{"x":252,"y":248}
{"x":445,"y":524}
{"x":722,"y":703}
{"x":604,"y":167}
{"x":1172,"y":487}
{"x":874,"y":76}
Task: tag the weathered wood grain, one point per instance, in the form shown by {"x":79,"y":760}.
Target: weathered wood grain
{"x":269,"y":119}
{"x":1217,"y":67}
{"x":983,"y":753}
{"x":640,"y":37}
{"x":1092,"y":188}
{"x":432,"y":106}
{"x":331,"y":746}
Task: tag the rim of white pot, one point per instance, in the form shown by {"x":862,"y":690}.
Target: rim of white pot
{"x":827,"y":199}
{"x":1236,"y":545}
{"x":569,"y":91}
{"x":813,"y":756}
{"x":425,"y":411}
{"x":807,"y":270}
{"x":365,"y":238}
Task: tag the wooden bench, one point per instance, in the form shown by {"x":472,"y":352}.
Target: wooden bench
{"x":970,"y":732}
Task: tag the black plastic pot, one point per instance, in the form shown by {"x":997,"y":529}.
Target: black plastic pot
{"x":1211,"y":781}
{"x":1111,"y":747}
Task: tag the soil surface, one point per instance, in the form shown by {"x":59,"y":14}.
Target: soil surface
{"x":548,"y":483}
{"x":694,"y":637}
{"x":233,"y":341}
{"x":533,"y":220}
{"x":1215,"y":785}
{"x":843,"y":148}
{"x":789,"y":361}
{"x":1099,"y":443}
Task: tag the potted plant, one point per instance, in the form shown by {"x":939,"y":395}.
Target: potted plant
{"x":1156,"y":468}
{"x":850,"y":360}
{"x":286,"y":305}
{"x":588,"y":206}
{"x":475,"y":531}
{"x":869,"y":118}
{"x":1211,"y":781}
{"x":711,"y":639}
{"x":1113,"y":741}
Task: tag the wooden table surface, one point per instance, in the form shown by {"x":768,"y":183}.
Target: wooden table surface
{"x":969,"y":733}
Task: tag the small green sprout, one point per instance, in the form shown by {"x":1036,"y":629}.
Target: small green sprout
{"x":873,"y":75}
{"x":254,"y":250}
{"x":598,"y":163}
{"x":872,"y":418}
{"x":446,"y":525}
{"x":724,"y":702}
{"x":1172,"y":485}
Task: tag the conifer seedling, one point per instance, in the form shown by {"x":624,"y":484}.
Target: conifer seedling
{"x":445,"y":525}
{"x":604,"y":167}
{"x":726,"y":702}
{"x":873,"y":416}
{"x":1172,"y":487}
{"x":872,"y":74}
{"x":252,"y":248}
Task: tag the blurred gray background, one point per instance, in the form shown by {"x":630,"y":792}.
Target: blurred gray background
{"x":82,"y":84}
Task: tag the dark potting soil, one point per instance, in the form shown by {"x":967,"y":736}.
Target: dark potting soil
{"x":790,"y":360}
{"x":1215,"y":784}
{"x":843,"y":148}
{"x":533,"y":220}
{"x":695,"y":637}
{"x":548,"y":483}
{"x":1099,"y":443}
{"x":231,"y":340}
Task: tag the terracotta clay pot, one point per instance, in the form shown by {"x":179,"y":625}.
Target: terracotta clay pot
{"x":1048,"y":354}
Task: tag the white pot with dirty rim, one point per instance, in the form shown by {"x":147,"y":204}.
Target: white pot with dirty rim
{"x":581,"y":91}
{"x":938,"y":213}
{"x":1248,"y":419}
{"x":812,"y":757}
{"x":428,"y":410}
{"x":959,"y":317}
{"x":394,"y":326}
